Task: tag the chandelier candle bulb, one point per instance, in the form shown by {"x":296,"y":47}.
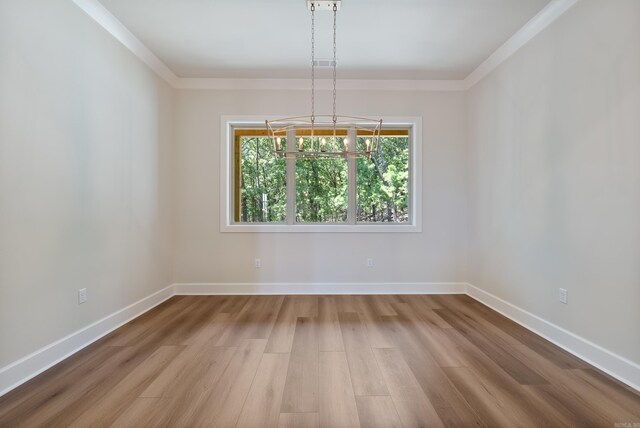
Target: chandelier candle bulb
{"x":300,"y":144}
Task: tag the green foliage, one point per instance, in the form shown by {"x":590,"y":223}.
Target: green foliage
{"x":321,"y":190}
{"x":264,"y":182}
{"x":322,"y":187}
{"x":383,"y":183}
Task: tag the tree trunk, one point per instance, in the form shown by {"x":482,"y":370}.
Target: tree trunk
{"x":260,"y":216}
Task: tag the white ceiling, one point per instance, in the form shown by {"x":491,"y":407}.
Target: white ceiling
{"x":377,"y":39}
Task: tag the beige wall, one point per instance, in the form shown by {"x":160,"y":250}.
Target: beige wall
{"x":203,"y":254}
{"x":85,"y":194}
{"x":554,"y":137}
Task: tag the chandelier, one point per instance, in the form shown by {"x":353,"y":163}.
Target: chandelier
{"x":324,"y":136}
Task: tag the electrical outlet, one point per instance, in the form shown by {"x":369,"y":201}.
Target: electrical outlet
{"x":370,"y":262}
{"x":562,"y":295}
{"x":258,"y":263}
{"x":82,"y":295}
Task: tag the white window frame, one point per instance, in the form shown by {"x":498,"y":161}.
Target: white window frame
{"x":227,"y":223}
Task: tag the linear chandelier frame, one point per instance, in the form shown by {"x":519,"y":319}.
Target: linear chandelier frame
{"x":310,"y":132}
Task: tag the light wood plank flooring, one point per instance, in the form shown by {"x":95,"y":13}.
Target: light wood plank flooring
{"x":329,"y":361}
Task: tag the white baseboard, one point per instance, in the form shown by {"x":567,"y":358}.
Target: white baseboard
{"x":624,"y":370}
{"x":30,"y":366}
{"x":322,"y":288}
{"x":20,"y":371}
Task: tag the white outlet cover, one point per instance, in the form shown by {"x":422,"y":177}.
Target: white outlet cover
{"x":563,"y":295}
{"x":82,"y":295}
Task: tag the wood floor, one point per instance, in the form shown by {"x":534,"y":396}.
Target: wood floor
{"x":328,"y":361}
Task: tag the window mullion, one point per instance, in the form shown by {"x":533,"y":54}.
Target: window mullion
{"x":351,"y":180}
{"x":291,"y":178}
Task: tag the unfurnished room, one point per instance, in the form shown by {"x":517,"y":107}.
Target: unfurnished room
{"x":320,"y":213}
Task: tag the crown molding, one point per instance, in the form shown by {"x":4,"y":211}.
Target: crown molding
{"x":542,"y":20}
{"x":321,"y":84}
{"x":102,"y":16}
{"x":552,"y":11}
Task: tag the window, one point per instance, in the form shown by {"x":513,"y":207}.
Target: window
{"x":260,"y":184}
{"x":269,"y":193}
{"x":382,"y":182}
{"x":321,"y":190}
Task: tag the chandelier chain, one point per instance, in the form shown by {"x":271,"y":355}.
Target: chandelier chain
{"x":335,"y":10}
{"x":313,"y":64}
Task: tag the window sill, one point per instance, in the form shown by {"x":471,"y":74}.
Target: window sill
{"x":320,"y":228}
